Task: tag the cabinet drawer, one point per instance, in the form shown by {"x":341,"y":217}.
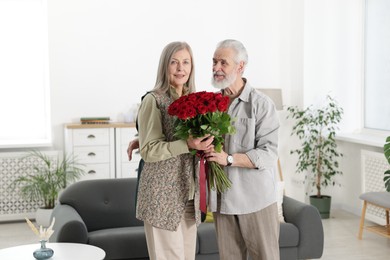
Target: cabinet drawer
{"x":129,"y":170}
{"x":96,"y":171}
{"x":92,"y":136}
{"x":93,"y":154}
{"x":127,"y":135}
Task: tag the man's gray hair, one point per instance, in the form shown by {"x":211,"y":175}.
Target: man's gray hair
{"x":241,"y":53}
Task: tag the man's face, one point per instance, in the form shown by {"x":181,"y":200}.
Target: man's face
{"x":225,"y":70}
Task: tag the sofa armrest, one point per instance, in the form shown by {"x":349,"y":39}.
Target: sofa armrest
{"x":68,"y":226}
{"x":308,"y":221}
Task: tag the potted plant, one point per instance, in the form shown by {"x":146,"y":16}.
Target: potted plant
{"x":318,"y":154}
{"x":386,"y":149}
{"x":44,"y":179}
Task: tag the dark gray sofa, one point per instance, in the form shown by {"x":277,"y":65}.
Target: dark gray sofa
{"x":102,"y":213}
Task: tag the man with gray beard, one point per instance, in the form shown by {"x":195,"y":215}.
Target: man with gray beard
{"x":245,"y":216}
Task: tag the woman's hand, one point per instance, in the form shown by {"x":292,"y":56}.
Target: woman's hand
{"x":134,"y":144}
{"x":204,"y":143}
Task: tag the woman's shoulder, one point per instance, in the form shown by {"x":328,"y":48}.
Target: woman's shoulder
{"x":148,"y":98}
{"x":148,"y":101}
{"x":155,"y":94}
{"x":157,"y":99}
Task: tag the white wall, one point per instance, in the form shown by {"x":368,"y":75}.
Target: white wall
{"x":104,"y":53}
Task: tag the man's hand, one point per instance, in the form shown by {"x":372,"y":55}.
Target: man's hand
{"x":219,"y":158}
{"x":240,"y":159}
{"x":134,"y":144}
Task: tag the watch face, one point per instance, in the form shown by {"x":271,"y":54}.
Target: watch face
{"x":230,"y":159}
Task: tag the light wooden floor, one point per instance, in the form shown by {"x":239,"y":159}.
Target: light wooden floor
{"x":341,"y":241}
{"x":340,"y":238}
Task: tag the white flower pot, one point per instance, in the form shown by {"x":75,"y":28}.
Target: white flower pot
{"x":42,"y":217}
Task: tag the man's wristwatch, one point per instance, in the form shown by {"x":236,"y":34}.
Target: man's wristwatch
{"x":229,"y":160}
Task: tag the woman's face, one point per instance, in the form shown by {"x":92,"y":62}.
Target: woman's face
{"x":179,"y":68}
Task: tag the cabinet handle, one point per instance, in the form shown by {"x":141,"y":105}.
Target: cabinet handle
{"x":91,"y":154}
{"x":137,"y":152}
{"x":91,"y":172}
{"x":90,"y":136}
{"x":136,"y":135}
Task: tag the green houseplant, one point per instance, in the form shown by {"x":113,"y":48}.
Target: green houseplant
{"x":318,"y":154}
{"x":386,"y":149}
{"x":45,"y":177}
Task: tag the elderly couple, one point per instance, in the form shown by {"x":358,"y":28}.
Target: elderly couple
{"x":245,"y":216}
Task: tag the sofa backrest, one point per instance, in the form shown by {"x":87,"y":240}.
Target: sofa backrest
{"x":103,"y":203}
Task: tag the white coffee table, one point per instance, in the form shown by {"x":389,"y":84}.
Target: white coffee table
{"x":62,"y":251}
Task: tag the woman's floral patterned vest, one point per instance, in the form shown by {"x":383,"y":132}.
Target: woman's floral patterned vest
{"x":164,"y":185}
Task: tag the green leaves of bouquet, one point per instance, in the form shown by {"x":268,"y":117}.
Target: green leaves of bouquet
{"x":215,"y":123}
{"x":204,"y":113}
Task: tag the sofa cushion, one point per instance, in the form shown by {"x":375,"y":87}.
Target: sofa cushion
{"x":104,"y":203}
{"x":119,"y":242}
{"x":207,"y":239}
{"x":289,"y":235}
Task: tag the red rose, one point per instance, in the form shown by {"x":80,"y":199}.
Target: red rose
{"x":218,"y":96}
{"x":212,"y":107}
{"x":202,"y":109}
{"x":203,"y":95}
{"x":191,"y":112}
{"x":190,"y":103}
{"x":182,"y":114}
{"x":209,"y":96}
{"x":192,"y":97}
{"x":223,"y":104}
{"x":173,"y":109}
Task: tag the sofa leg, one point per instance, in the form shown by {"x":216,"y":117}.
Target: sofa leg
{"x":362,"y":220}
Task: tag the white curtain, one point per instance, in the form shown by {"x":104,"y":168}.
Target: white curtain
{"x":24,"y":74}
{"x":377,"y":65}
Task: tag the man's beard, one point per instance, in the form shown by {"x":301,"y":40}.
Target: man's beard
{"x":226,"y":82}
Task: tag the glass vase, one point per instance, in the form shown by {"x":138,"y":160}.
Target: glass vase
{"x":43,"y":252}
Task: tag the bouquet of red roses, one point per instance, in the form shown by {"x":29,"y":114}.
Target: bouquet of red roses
{"x":204,"y":113}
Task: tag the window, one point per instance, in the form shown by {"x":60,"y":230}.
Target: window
{"x":377,"y":65}
{"x":24,"y":98}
